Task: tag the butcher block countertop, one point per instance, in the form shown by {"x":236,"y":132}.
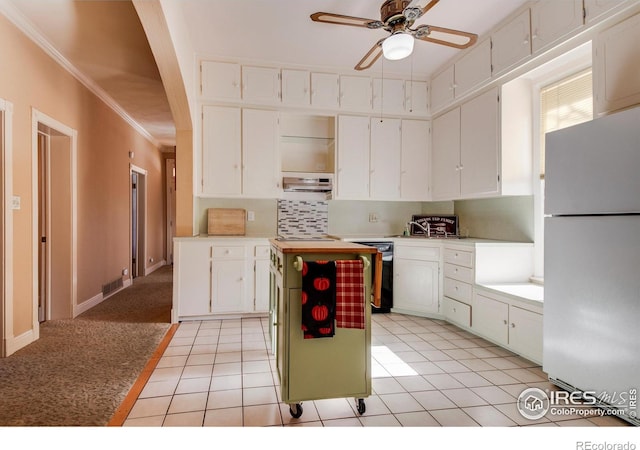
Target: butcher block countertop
{"x":315,"y":246}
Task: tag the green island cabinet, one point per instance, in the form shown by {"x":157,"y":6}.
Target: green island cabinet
{"x":314,"y":369}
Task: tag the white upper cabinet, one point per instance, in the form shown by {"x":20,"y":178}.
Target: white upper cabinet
{"x":414,"y":160}
{"x":473,"y":69}
{"x":221,"y":151}
{"x":483,"y":148}
{"x":595,"y":9}
{"x":511,"y":43}
{"x":355,"y":93}
{"x":296,"y":87}
{"x":353,"y":158}
{"x":442,"y":89}
{"x":325,"y":89}
{"x":616,"y":66}
{"x":417,"y":98}
{"x":260,"y":84}
{"x":553,"y":19}
{"x":479,"y":146}
{"x":220,"y":80}
{"x":261,"y":159}
{"x":384,"y":177}
{"x":445,"y":156}
{"x":388,"y":96}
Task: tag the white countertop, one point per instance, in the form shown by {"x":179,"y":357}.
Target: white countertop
{"x":528,"y":291}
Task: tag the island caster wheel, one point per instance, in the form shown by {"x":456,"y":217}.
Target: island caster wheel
{"x":361,"y":406}
{"x":298,"y":410}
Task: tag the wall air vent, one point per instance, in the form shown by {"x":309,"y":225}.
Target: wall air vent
{"x":111,"y":287}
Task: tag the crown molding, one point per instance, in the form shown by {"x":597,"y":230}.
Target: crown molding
{"x":27,"y":27}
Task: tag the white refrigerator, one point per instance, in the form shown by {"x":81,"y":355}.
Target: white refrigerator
{"x":592,"y":260}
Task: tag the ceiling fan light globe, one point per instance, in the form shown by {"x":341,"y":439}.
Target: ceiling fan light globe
{"x":397,"y":46}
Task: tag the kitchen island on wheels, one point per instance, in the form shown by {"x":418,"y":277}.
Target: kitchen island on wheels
{"x":321,"y":321}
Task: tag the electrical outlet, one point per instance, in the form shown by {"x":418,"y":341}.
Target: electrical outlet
{"x":251,"y":216}
{"x":373,"y":217}
{"x":15,"y":202}
{"x":125,"y":272}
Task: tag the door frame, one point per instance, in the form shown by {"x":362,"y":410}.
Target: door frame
{"x":170,"y":185}
{"x":6,"y":228}
{"x":38,"y":118}
{"x":142,"y":221}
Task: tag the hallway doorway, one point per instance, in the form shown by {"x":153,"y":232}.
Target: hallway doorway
{"x":54,"y":212}
{"x":138,"y":221}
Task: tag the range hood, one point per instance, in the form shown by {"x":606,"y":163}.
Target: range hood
{"x":307,"y":186}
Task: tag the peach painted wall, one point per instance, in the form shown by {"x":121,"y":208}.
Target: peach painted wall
{"x":31,"y":79}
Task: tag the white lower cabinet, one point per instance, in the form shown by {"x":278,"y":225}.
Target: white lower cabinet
{"x":228,"y":279}
{"x":219,"y":277}
{"x":416,"y":278}
{"x":458,"y":284}
{"x":513,"y":324}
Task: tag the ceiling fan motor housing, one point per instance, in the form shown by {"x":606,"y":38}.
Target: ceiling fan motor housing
{"x":391,"y":11}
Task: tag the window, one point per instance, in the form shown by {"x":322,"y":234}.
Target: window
{"x":563,"y":103}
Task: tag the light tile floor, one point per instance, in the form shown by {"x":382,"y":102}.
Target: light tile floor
{"x":425,"y":372}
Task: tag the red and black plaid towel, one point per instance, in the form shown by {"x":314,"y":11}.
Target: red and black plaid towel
{"x":350,"y":298}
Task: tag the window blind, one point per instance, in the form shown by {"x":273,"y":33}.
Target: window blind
{"x":565,"y":103}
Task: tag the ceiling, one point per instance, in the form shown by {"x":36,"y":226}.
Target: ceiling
{"x":105,"y":42}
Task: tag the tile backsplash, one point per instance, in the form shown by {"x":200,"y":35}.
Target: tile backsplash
{"x":303,"y":218}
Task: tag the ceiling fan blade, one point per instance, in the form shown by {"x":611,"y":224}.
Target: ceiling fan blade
{"x":417,"y":8}
{"x":340,"y":19}
{"x":445,"y":36}
{"x":371,"y":57}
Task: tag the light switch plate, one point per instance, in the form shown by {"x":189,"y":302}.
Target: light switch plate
{"x":15,"y":202}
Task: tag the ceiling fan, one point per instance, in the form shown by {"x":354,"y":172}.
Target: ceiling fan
{"x":397,"y":17}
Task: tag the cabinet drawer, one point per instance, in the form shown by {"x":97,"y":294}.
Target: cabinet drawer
{"x":420,"y":253}
{"x":458,"y":272}
{"x":261,"y":251}
{"x":228,"y":252}
{"x":459,"y":257}
{"x":458,"y":290}
{"x":457,"y":312}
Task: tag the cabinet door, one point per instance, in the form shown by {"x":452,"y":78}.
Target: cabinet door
{"x":261,"y":286}
{"x":388,"y":96}
{"x":511,"y":43}
{"x":417,"y":98}
{"x":479,"y":145}
{"x":192,"y":278}
{"x":445,"y":159}
{"x":490,"y":319}
{"x":595,"y":9}
{"x":616,"y":66}
{"x":260,"y":84}
{"x":355,"y":93}
{"x":473,"y":69}
{"x":384,"y":176}
{"x":551,"y":19}
{"x":228,"y":284}
{"x":261,"y":163}
{"x":219,"y":80}
{"x":414,"y":160}
{"x":353,"y":158}
{"x":221,"y":152}
{"x":325,"y":90}
{"x":416,"y":286}
{"x":442,"y":89}
{"x":525,"y":333}
{"x":296,"y":87}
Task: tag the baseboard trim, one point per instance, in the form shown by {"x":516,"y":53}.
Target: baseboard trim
{"x":17,"y":342}
{"x":155,"y":267}
{"x":97,"y":299}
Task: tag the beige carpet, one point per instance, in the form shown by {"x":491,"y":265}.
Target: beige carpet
{"x":80,"y":370}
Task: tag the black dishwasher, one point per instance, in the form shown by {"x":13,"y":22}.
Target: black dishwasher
{"x":385,"y":249}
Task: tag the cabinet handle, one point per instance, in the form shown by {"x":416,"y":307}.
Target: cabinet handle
{"x":454,"y":310}
{"x":513,"y":325}
{"x":504,"y":321}
{"x":526,"y":40}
